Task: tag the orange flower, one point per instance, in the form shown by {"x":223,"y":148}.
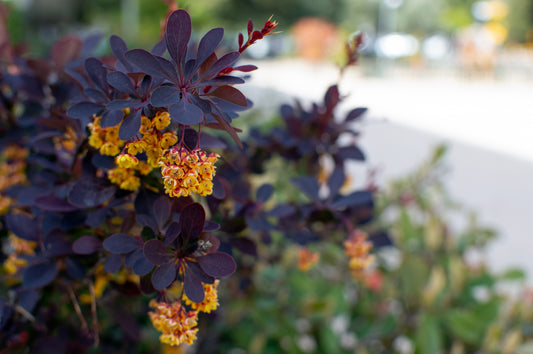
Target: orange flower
{"x":176,"y":324}
{"x":307,"y":259}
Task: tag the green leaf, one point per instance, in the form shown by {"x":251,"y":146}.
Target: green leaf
{"x":513,"y":274}
{"x":428,"y":338}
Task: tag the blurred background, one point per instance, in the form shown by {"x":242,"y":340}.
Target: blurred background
{"x":432,"y":71}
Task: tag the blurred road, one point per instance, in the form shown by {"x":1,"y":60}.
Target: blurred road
{"x":487,"y":124}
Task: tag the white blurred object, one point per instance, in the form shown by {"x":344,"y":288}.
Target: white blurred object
{"x":396,"y":45}
{"x":436,"y":47}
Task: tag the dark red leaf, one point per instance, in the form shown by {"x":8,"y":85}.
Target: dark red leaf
{"x":38,"y":275}
{"x":250,"y":26}
{"x":185,"y":113}
{"x":193,"y":287}
{"x":164,"y":275}
{"x":53,"y":203}
{"x":217,"y":264}
{"x":244,"y":245}
{"x":229,"y":129}
{"x":130,"y":126}
{"x":86,"y":245}
{"x":256,"y":36}
{"x":222,"y":63}
{"x":240,"y":40}
{"x":230,"y":94}
{"x":122,"y":243}
{"x":199,"y":273}
{"x":245,"y":68}
{"x":65,"y":50}
{"x":178,"y":34}
{"x":192,"y":220}
{"x":156,"y":252}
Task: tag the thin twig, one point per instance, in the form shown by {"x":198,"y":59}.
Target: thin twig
{"x":77,"y":309}
{"x":94,"y":314}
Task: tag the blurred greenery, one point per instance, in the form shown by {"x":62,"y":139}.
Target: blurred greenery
{"x":425,"y":294}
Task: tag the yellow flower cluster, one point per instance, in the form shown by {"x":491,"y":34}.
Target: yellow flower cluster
{"x":185,"y":172}
{"x":176,"y":323}
{"x":12,"y":172}
{"x":357,"y":248}
{"x":17,"y":247}
{"x":210,"y":302}
{"x":105,"y":139}
{"x":307,"y":259}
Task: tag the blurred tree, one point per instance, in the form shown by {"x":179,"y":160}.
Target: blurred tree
{"x":520,"y":20}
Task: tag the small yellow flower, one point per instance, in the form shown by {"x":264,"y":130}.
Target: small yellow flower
{"x":210,"y":302}
{"x":161,"y":120}
{"x":132,"y":183}
{"x":168,"y":139}
{"x":126,"y":161}
{"x":176,"y":325}
{"x":136,"y":147}
{"x":357,"y":248}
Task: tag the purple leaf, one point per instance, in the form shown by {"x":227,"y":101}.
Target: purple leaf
{"x":122,"y":243}
{"x":230,"y":94}
{"x":264,"y":193}
{"x":185,"y":113}
{"x":142,"y":266}
{"x":355,"y":114}
{"x":168,"y":68}
{"x":195,"y":269}
{"x":165,"y":95}
{"x":173,"y":230}
{"x":308,"y":185}
{"x":38,"y":275}
{"x":74,"y":268}
{"x":98,"y":74}
{"x":221,"y":80}
{"x":88,"y":192}
{"x":86,"y":245}
{"x":244,"y":245}
{"x":281,"y":211}
{"x":222,"y":63}
{"x":336,"y":180}
{"x":159,"y":48}
{"x":178,"y":34}
{"x":120,"y":104}
{"x":208,"y":44}
{"x":146,"y":62}
{"x":156,"y":252}
{"x":351,"y":152}
{"x":217,"y":264}
{"x":84,"y":110}
{"x":211,"y":226}
{"x":355,"y":199}
{"x":130,"y":126}
{"x":192,"y":220}
{"x":111,"y":118}
{"x":161,"y":211}
{"x":193,"y":287}
{"x":112,"y":263}
{"x":121,"y":82}
{"x":95,"y":94}
{"x":146,"y":85}
{"x":55,"y":244}
{"x":147,"y":220}
{"x":53,"y":203}
{"x":23,"y":226}
{"x":164,"y":275}
{"x":119,"y":47}
{"x":332,"y":97}
{"x":245,"y":68}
